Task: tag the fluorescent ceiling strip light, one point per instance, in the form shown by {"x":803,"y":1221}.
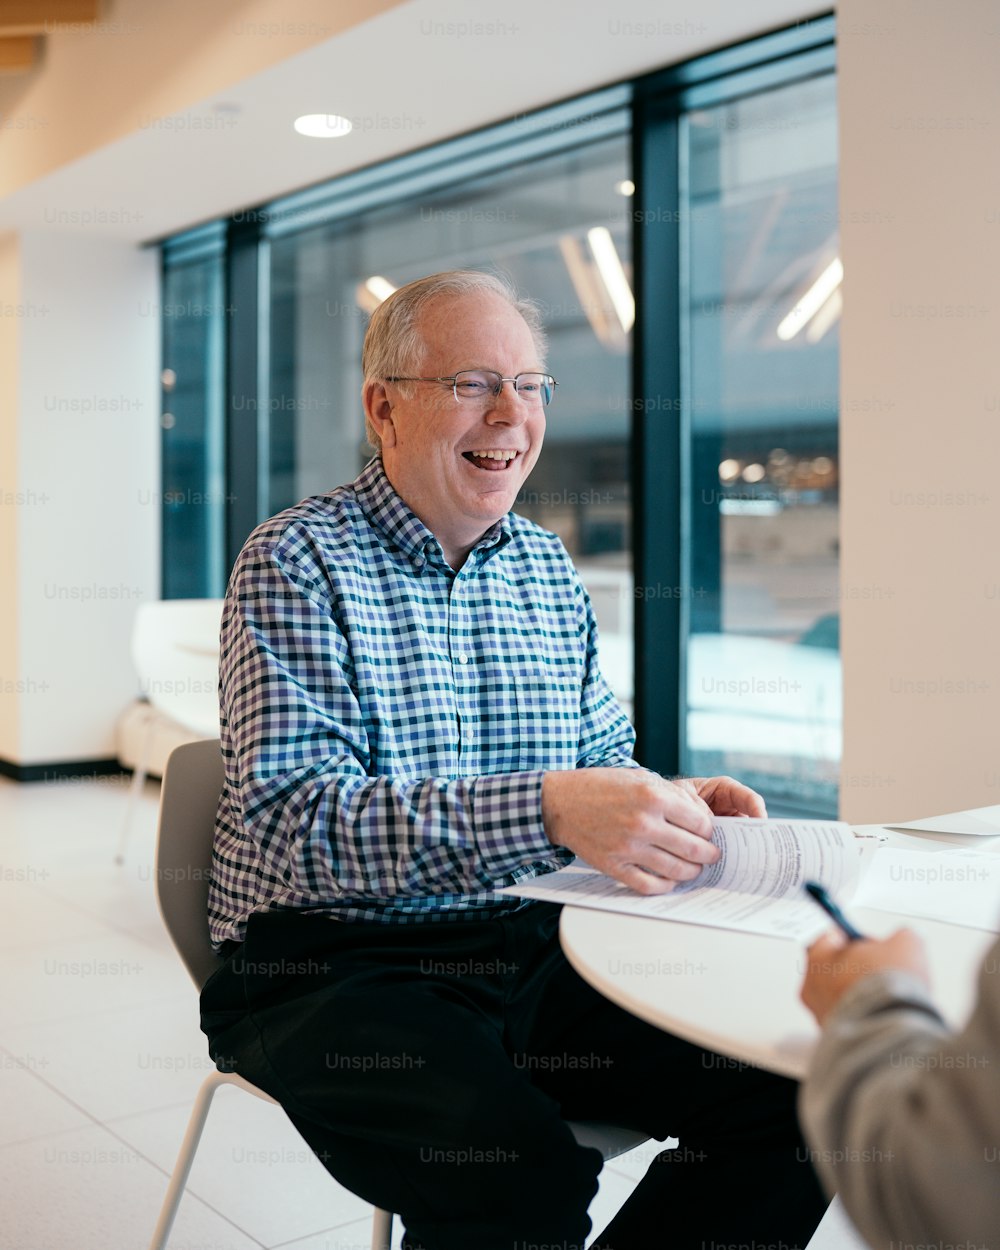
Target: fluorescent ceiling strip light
{"x":813,"y":300}
{"x":825,"y":318}
{"x":609,"y":266}
{"x":371,"y":293}
{"x":380,"y":287}
{"x":588,"y":291}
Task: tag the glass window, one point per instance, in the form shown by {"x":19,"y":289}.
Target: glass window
{"x":738,"y":334}
{"x":760,"y":314}
{"x":558,"y":227}
{"x":193,"y":471}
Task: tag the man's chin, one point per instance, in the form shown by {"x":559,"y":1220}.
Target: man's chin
{"x":496,"y":504}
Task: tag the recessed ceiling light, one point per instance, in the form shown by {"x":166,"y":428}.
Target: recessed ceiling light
{"x":625,"y":187}
{"x":323,"y":126}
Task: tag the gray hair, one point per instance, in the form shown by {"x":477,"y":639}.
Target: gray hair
{"x":393,"y":344}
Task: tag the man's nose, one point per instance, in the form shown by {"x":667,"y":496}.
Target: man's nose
{"x":507,"y":405}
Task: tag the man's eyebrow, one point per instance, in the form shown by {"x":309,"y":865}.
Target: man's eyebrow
{"x":494,"y":369}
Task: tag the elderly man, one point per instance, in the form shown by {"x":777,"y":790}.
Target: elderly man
{"x":413,"y":716}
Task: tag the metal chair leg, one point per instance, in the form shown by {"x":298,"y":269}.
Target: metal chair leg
{"x":381,"y":1229}
{"x":381,"y":1221}
{"x":136,"y":786}
{"x":185,"y":1157}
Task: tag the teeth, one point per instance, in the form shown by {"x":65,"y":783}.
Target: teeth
{"x":495,"y":455}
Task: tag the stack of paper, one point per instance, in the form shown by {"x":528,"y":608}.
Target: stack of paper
{"x":980,"y":822}
{"x":757,"y":884}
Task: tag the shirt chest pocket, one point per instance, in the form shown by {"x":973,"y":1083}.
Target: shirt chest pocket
{"x":548,"y":702}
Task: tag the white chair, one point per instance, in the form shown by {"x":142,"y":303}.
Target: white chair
{"x":192,"y":783}
{"x":175,"y":652}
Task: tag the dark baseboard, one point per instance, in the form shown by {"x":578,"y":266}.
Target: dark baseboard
{"x":73,"y":770}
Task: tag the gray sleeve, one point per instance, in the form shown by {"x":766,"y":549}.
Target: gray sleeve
{"x":903,"y":1117}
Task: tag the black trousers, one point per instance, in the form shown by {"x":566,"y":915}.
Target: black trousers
{"x":432,"y":1068}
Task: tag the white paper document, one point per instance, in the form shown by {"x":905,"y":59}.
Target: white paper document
{"x":980,"y":822}
{"x":756,"y":885}
{"x":959,"y":887}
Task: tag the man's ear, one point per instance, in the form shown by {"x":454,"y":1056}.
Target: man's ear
{"x":378,"y":410}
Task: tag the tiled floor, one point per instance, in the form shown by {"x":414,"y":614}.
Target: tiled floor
{"x":101,"y":1054}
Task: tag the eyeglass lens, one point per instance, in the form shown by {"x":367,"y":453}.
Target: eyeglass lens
{"x":476,"y":384}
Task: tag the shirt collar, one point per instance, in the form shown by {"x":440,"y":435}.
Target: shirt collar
{"x":392,"y":518}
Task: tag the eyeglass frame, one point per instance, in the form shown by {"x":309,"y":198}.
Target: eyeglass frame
{"x":453,"y":379}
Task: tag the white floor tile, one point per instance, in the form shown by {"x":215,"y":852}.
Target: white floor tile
{"x":72,"y":822}
{"x":30,"y":918}
{"x":120,"y":894}
{"x":836,"y":1232}
{"x":614,"y":1190}
{"x":86,"y":1191}
{"x":635,"y":1163}
{"x":31,"y":1108}
{"x":354,"y":1236}
{"x":120,"y":1061}
{"x":252,"y":1166}
{"x":75,"y":977}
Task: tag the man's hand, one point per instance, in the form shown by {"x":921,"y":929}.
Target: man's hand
{"x":725,"y":796}
{"x":631,"y":824}
{"x":835,"y":964}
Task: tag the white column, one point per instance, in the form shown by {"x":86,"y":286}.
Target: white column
{"x":79,"y":436}
{"x":920,"y":462}
{"x":10,"y":344}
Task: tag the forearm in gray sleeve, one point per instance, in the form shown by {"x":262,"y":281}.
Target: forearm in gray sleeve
{"x":903,"y":1117}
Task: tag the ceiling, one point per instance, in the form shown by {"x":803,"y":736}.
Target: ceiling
{"x":24,"y":25}
{"x":412,"y":74}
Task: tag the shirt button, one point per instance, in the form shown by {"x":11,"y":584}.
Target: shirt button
{"x":463,"y":659}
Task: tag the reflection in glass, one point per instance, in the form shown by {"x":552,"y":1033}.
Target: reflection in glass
{"x":761,"y":314}
{"x":191,"y":420}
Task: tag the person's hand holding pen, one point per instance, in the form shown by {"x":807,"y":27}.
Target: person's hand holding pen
{"x":842,"y":956}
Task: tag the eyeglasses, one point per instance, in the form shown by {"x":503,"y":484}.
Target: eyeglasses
{"x":477,"y":385}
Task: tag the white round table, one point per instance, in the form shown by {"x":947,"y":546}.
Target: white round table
{"x":737,"y":993}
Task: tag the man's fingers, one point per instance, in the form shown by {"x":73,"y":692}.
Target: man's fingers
{"x":644,"y":882}
{"x":669,"y":841}
{"x":727,"y":797}
{"x":657,"y":864}
{"x":752,"y":804}
{"x":829,"y":942}
{"x":680,"y":807}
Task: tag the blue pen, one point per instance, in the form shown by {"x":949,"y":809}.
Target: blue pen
{"x":819,"y":893}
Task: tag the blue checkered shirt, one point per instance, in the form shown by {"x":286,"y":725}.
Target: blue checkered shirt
{"x":386,"y":721}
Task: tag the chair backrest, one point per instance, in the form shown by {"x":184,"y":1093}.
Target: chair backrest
{"x":192,"y":783}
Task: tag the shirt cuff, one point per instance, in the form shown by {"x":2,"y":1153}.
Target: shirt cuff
{"x":886,"y":990}
{"x":507,"y":817}
{"x":880,"y":1010}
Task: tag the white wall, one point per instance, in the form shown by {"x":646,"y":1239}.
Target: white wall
{"x":10,"y":341}
{"x":86,"y":429}
{"x":919,"y":91}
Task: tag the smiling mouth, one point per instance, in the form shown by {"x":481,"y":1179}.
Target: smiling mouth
{"x":492,"y":461}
